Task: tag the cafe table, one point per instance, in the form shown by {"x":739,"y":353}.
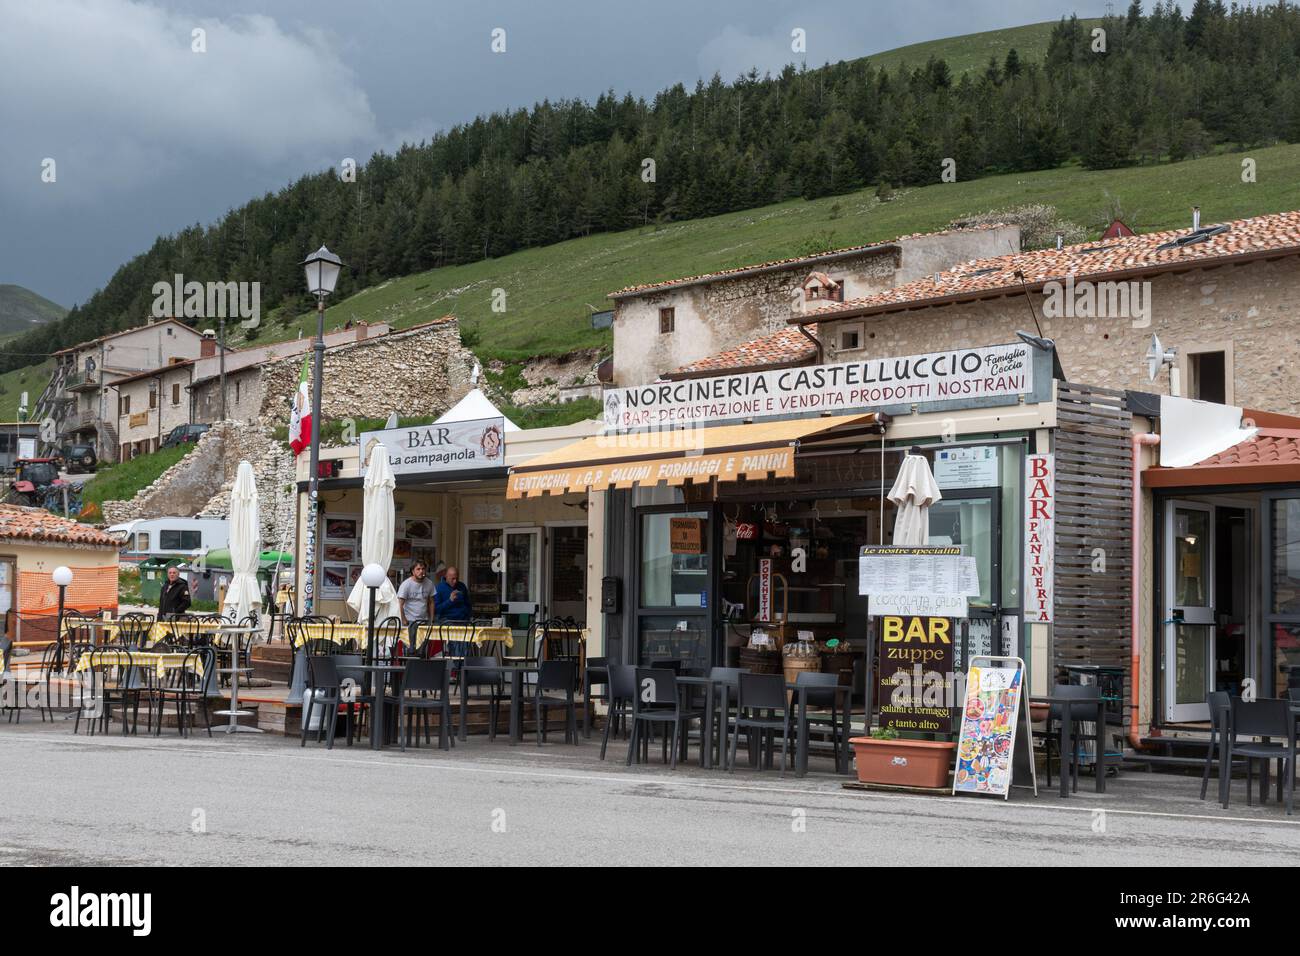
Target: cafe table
{"x":378,"y":714}
{"x":711,"y":687}
{"x":350,"y":631}
{"x":516,"y":672}
{"x":1069,"y":707}
{"x":235,"y":632}
{"x":801,"y":748}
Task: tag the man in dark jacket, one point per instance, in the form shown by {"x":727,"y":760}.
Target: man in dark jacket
{"x":175,"y":597}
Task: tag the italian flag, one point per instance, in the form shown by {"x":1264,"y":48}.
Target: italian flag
{"x":300,"y":416}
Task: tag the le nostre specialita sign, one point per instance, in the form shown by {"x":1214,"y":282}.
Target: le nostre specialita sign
{"x":994,"y":371}
{"x":444,"y":446}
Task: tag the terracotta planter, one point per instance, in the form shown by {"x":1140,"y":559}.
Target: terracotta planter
{"x":904,"y":763}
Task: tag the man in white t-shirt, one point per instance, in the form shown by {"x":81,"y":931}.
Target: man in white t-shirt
{"x":416,"y":598}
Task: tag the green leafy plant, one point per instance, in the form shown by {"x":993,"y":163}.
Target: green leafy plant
{"x":884,"y":733}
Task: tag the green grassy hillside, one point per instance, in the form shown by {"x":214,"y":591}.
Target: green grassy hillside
{"x":21,"y":308}
{"x":972,"y":51}
{"x":31,"y":380}
{"x":548,"y":290}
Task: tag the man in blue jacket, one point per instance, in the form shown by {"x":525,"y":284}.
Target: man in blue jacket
{"x":451,"y":605}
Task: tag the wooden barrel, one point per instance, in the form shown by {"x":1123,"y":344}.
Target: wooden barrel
{"x":834,"y":662}
{"x":759,"y":661}
{"x":794,"y":666}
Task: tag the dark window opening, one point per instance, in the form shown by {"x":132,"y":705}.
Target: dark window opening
{"x":667,"y":320}
{"x":1209,"y":377}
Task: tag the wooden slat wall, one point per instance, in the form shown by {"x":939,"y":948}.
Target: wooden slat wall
{"x":1093,"y":499}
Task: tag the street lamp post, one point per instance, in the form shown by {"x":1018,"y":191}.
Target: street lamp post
{"x":373,"y":577}
{"x":62,"y":577}
{"x":322,"y":268}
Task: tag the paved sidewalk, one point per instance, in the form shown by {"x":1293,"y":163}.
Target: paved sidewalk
{"x":263,"y":800}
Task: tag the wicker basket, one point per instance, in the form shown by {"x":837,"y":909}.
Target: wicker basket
{"x":759,"y":661}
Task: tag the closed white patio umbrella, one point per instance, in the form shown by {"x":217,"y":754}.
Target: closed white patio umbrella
{"x":914,"y":491}
{"x":377,"y":522}
{"x":245,"y":545}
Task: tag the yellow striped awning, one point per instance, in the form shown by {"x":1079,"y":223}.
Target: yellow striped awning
{"x":725,"y":452}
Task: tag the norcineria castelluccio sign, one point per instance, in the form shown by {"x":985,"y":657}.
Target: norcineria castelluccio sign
{"x":994,"y":371}
{"x":445,"y":446}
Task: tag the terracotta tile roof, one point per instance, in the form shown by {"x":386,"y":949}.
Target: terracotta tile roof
{"x":777,"y":264}
{"x":1270,"y":446}
{"x":786,"y":347}
{"x":36,"y":524}
{"x":1278,"y":233}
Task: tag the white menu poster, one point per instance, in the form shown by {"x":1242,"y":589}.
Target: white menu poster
{"x":917,"y":577}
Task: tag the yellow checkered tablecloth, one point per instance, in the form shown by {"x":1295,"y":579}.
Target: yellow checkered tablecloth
{"x":160,"y":631}
{"x":438,"y":632}
{"x":160,"y":661}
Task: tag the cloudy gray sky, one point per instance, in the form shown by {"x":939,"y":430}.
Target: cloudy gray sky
{"x":148,"y":136}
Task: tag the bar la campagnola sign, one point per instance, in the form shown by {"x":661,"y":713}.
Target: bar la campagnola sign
{"x":993,"y":371}
{"x":442,"y":446}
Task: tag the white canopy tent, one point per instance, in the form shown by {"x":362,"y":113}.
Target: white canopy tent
{"x":473,"y":406}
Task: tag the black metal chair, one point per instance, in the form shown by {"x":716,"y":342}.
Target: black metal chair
{"x":185,"y":687}
{"x":387,"y":633}
{"x":1268,"y":718}
{"x":135,"y":629}
{"x":324,"y":690}
{"x":655,"y":700}
{"x":115,"y":683}
{"x":473,"y":683}
{"x":596,"y":673}
{"x":1220,"y":703}
{"x":760,"y":698}
{"x":728,"y":678}
{"x":556,"y":681}
{"x":15,"y":685}
{"x":426,"y":686}
{"x":824,"y":696}
{"x":621,"y":690}
{"x":1086,"y":693}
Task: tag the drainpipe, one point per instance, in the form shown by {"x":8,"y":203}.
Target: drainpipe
{"x":821,"y":355}
{"x":1135,"y":565}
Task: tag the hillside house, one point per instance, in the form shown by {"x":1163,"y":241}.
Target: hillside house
{"x":662,"y":326}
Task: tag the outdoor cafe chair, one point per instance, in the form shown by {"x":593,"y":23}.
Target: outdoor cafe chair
{"x":822,"y":698}
{"x":595,"y":673}
{"x":324,"y":689}
{"x":16,"y":685}
{"x":426,"y":687}
{"x":387,"y":633}
{"x":1263,"y":718}
{"x":1051,"y":736}
{"x":358,"y":700}
{"x":555,"y":688}
{"x":729,"y":679}
{"x":134,"y":628}
{"x":655,"y":700}
{"x":473,"y":683}
{"x":621,"y":690}
{"x":1220,"y":703}
{"x":113,"y":684}
{"x":424,"y":643}
{"x":186,"y":690}
{"x":759,"y":700}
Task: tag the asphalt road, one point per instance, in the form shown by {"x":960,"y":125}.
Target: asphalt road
{"x":121,"y":801}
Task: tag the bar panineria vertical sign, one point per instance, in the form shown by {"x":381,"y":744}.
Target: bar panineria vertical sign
{"x":1040,"y":536}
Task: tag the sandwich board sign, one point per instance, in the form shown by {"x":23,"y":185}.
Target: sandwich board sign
{"x":991,"y":714}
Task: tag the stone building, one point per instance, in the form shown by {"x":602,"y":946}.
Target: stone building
{"x":1222,"y":298}
{"x":662,"y":326}
{"x":80,"y":399}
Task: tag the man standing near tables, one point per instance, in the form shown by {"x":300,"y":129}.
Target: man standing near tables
{"x":175,"y":596}
{"x":451,"y":604}
{"x":414,"y":597}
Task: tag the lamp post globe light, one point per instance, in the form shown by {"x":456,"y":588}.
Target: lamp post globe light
{"x":373,"y":577}
{"x":322,"y":268}
{"x":62,"y":577}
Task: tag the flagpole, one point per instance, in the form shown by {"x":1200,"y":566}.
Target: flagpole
{"x":313,"y":487}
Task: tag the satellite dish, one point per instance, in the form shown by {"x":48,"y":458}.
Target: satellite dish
{"x":1159,"y":357}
